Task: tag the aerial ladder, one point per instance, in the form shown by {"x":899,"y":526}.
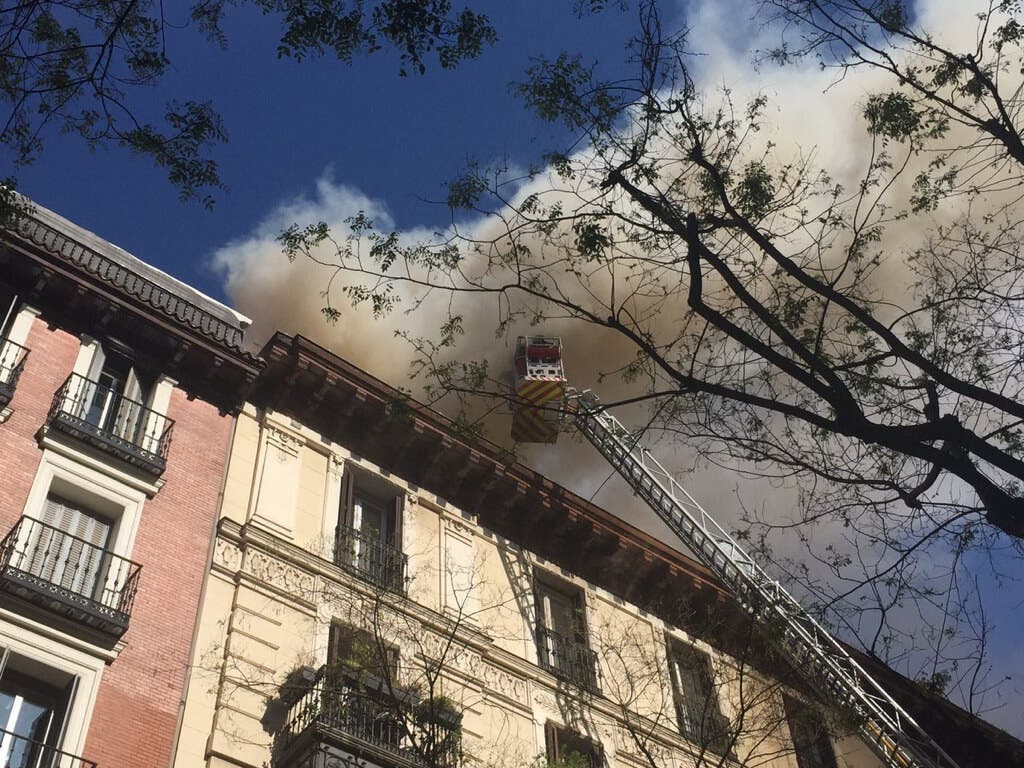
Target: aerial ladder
{"x":540,"y":385}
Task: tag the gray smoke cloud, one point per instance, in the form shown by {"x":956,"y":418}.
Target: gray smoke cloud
{"x":809,"y":112}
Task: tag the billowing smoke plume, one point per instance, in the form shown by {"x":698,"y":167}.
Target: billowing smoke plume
{"x":810,"y":111}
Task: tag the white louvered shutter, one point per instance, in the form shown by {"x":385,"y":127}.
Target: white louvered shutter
{"x":73,"y":553}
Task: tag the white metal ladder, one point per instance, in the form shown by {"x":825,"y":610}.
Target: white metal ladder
{"x":884,"y":725}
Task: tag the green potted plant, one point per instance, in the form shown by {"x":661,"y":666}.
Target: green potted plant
{"x":438,"y":710}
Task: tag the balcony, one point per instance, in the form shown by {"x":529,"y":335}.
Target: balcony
{"x":21,"y":752}
{"x":568,"y":659}
{"x":12,"y":361}
{"x":106,"y":419}
{"x":371,"y":559}
{"x":68,"y":576}
{"x":354,"y":719}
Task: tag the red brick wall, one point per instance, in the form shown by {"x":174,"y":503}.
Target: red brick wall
{"x":51,"y":357}
{"x":136,"y":710}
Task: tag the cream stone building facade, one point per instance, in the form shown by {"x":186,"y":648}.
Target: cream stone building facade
{"x":382,"y":592}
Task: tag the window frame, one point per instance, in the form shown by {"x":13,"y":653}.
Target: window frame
{"x":701,"y":719}
{"x":546,"y":584}
{"x":386,"y":562}
{"x":63,"y":476}
{"x":386,"y":668}
{"x":71,"y":659}
{"x":154,"y":394}
{"x":811,"y":750}
{"x":554,"y":736}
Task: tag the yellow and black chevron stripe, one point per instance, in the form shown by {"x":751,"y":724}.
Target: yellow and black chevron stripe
{"x":540,"y":392}
{"x":530,"y":426}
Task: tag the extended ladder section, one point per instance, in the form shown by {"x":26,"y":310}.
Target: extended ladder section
{"x":884,"y":724}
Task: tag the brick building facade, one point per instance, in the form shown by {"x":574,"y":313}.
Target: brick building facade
{"x":116,"y":387}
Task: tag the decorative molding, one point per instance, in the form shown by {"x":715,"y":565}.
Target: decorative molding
{"x":474,"y":666}
{"x":227,"y":554}
{"x":287,"y":578}
{"x":459,"y":527}
{"x":545,"y":700}
{"x":288,"y":445}
{"x":335,"y":466}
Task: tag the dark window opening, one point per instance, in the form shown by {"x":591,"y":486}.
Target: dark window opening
{"x":811,"y":742}
{"x":34,"y":703}
{"x":9,"y":306}
{"x":568,"y":749}
{"x":353,"y":651}
{"x":369,"y":537}
{"x":698,"y":713}
{"x":120,"y":390}
{"x":562,"y":644}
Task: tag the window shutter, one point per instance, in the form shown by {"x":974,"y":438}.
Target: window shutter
{"x":397,"y":507}
{"x":347,"y":486}
{"x":551,"y":741}
{"x":579,"y":617}
{"x":64,"y":555}
{"x":333,"y":642}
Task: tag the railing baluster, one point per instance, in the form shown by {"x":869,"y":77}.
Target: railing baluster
{"x":106,"y":418}
{"x":371,"y":558}
{"x":51,"y":562}
{"x":46,"y":755}
{"x":349,"y":715}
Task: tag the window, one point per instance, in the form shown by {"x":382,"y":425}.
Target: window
{"x":569,"y":749}
{"x":562,"y":645}
{"x":60,"y":557}
{"x":12,"y":354}
{"x":811,"y":741}
{"x":697,"y":711}
{"x":34,"y":704}
{"x":360,"y":696}
{"x":69,"y":548}
{"x":9,"y":304}
{"x":356,"y":651}
{"x":115,"y":404}
{"x":118,"y":391}
{"x":369,"y":538}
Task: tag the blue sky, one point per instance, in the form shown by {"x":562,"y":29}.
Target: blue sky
{"x":395,"y":139}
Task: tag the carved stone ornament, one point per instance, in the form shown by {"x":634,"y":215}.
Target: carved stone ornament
{"x":227,"y":555}
{"x":474,"y":666}
{"x":287,"y":445}
{"x":459,"y":527}
{"x":335,"y":466}
{"x":281,"y":575}
{"x":545,"y":700}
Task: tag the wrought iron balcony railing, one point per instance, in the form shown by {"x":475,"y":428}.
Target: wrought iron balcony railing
{"x":106,"y":419}
{"x":68,"y":575}
{"x":21,"y":752}
{"x":568,"y":659}
{"x":12,"y":362}
{"x":371,"y":558}
{"x":340,"y":716}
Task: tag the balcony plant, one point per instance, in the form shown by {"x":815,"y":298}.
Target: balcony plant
{"x":438,"y":710}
